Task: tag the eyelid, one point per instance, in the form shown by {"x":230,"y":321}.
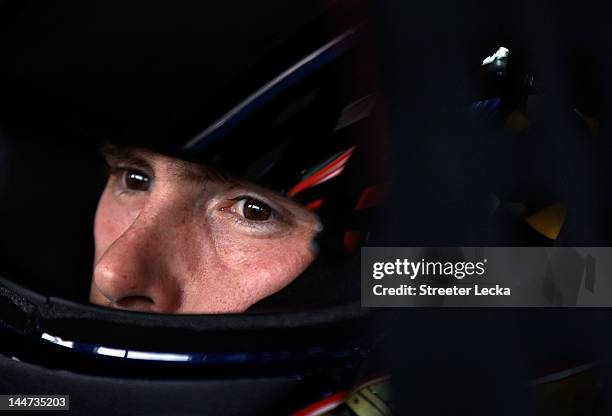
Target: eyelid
{"x":120,"y":168}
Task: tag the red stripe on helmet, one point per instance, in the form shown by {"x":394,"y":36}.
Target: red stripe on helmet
{"x":327,"y":172}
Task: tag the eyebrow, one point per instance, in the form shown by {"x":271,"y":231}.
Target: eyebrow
{"x":130,"y":156}
{"x":123,"y":155}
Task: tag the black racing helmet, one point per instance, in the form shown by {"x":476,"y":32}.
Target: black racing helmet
{"x":283,"y":95}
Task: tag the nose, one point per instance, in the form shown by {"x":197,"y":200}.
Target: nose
{"x":133,"y":273}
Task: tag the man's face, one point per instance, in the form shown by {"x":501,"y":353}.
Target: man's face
{"x":175,"y":237}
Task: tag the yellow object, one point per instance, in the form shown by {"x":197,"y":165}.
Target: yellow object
{"x":517,"y":121}
{"x":371,"y":400}
{"x":549,"y":221}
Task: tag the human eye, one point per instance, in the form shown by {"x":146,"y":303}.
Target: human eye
{"x":253,"y":209}
{"x":136,"y":180}
{"x":130,"y":179}
{"x":257,"y":216}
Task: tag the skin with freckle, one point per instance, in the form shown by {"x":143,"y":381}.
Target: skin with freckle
{"x":171,"y":238}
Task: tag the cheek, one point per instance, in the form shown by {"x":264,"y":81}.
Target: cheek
{"x":273,"y":263}
{"x":112,"y":219}
{"x":249,"y":269}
